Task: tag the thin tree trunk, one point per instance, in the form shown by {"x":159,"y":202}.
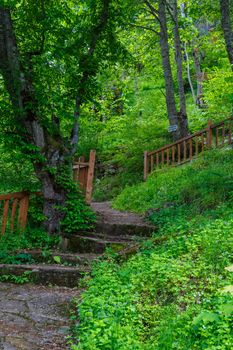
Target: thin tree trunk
{"x":175,"y":119}
{"x":179,"y":61}
{"x":167,"y":71}
{"x":189,"y":74}
{"x":200,"y":78}
{"x":227,"y":29}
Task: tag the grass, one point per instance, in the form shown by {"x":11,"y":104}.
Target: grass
{"x":176,"y":294}
{"x":201,"y":184}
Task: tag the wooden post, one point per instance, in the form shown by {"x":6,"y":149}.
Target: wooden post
{"x":168,"y":156}
{"x":162,"y":158}
{"x":90,"y":176}
{"x":146,"y":165}
{"x":209,"y":134}
{"x":76,"y":172}
{"x":157,"y":160}
{"x":178,"y":153}
{"x":190,"y":149}
{"x":230,"y":132}
{"x":184,"y":148}
{"x":82,"y":173}
{"x":23,"y":211}
{"x":173,"y":155}
{"x":13,"y":212}
{"x":4,"y":217}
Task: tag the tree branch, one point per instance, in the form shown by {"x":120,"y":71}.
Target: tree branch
{"x":144,"y":27}
{"x":96,"y":33}
{"x":153,"y":10}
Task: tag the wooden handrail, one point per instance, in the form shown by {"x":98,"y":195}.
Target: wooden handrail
{"x":16,"y":195}
{"x":185,"y":149}
{"x":177,"y":142}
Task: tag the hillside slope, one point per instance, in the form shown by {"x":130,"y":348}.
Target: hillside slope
{"x":177,"y":292}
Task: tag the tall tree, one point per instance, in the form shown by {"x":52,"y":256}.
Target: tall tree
{"x":179,"y":68}
{"x":67,"y":44}
{"x":227,"y":28}
{"x":177,"y":119}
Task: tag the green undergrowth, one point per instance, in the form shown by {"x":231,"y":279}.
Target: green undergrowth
{"x":201,"y":185}
{"x":177,"y":291}
{"x":11,"y":243}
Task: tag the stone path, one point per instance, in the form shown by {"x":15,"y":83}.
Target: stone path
{"x":117,"y":223}
{"x":34,"y":317}
{"x":108,"y":214}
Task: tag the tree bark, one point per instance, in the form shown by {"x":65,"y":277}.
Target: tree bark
{"x":176,"y":118}
{"x":189,"y":74}
{"x":179,"y":61}
{"x":200,"y":79}
{"x":179,"y":70}
{"x":19,"y":84}
{"x":227,"y":29}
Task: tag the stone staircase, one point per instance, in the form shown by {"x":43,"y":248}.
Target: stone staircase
{"x":115,"y":230}
{"x":35,"y":316}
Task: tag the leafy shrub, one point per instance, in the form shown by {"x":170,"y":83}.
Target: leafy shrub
{"x":169,"y":296}
{"x":32,"y":238}
{"x":78,"y":215}
{"x":202,"y":184}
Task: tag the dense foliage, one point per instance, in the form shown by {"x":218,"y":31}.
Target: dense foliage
{"x":176,"y":293}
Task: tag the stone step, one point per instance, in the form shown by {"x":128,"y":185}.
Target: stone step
{"x":94,"y":243}
{"x":47,"y":274}
{"x":115,"y":223}
{"x":66,"y":258}
{"x":118,"y":229}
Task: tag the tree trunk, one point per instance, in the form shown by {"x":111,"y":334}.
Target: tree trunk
{"x":200,"y":79}
{"x":179,"y":61}
{"x":189,"y":74}
{"x":176,"y":120}
{"x":19,"y":86}
{"x":54,"y":196}
{"x":226,"y":27}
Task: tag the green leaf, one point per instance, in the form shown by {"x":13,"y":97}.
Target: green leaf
{"x":206,"y":316}
{"x":57,"y":259}
{"x":227,"y":309}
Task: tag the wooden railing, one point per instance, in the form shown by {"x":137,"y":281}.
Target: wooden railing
{"x":184,"y":150}
{"x":14,"y":209}
{"x":14,"y":206}
{"x":83,"y":173}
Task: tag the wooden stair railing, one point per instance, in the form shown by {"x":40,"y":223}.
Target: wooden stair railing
{"x":14,"y":208}
{"x":184,"y":150}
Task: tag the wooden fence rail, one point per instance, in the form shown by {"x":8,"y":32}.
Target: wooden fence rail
{"x":14,"y":209}
{"x":184,"y":150}
{"x":14,"y":206}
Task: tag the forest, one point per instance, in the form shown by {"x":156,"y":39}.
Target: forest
{"x":123,"y":78}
